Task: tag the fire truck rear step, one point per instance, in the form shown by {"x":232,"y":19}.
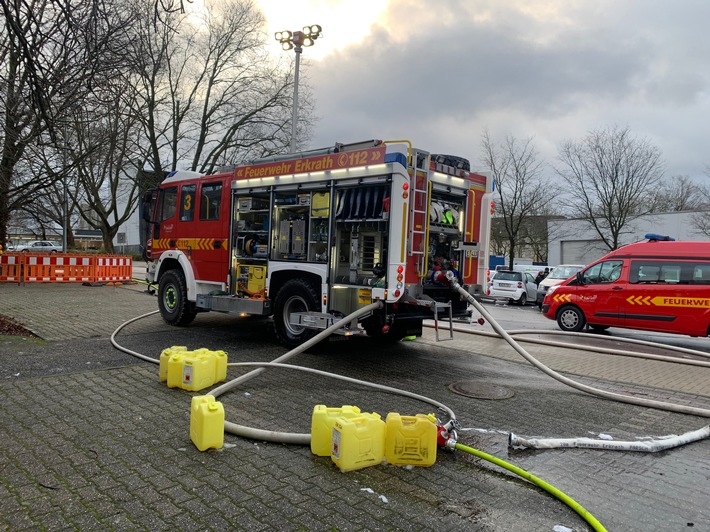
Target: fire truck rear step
{"x":438,"y":306}
{"x":443,"y":306}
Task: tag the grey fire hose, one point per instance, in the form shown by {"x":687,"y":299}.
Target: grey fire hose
{"x":299,"y":349}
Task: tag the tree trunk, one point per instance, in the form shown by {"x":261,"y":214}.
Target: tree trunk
{"x":5,"y":173}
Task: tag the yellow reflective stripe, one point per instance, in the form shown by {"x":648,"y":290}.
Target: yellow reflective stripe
{"x":204,"y":244}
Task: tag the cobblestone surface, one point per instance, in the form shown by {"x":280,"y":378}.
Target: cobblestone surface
{"x":92,"y":440}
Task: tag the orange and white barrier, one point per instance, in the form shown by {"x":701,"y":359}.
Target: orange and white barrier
{"x":64,"y":268}
{"x":11,"y":268}
{"x":58,"y":269}
{"x":111,"y":269}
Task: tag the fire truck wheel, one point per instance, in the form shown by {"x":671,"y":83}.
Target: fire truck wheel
{"x":172,"y":299}
{"x":296,"y":295}
{"x":571,"y":319}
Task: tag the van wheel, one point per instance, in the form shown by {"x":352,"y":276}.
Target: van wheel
{"x":296,"y":295}
{"x":172,"y":299}
{"x":571,"y":319}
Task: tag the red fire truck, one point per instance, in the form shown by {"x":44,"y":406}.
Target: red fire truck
{"x":313,"y":236}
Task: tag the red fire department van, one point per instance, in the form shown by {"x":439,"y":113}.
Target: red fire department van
{"x":656,"y":285}
{"x":313,"y":236}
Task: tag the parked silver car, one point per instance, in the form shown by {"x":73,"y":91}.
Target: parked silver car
{"x":556,"y":276}
{"x":39,"y":246}
{"x":518,"y":287}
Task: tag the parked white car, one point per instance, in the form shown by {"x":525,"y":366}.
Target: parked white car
{"x":39,"y":246}
{"x":556,"y":276}
{"x":517,"y":287}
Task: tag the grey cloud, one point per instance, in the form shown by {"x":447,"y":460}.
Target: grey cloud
{"x":593,"y":61}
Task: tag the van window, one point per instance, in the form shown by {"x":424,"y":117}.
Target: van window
{"x":701,"y":274}
{"x":603,"y":272}
{"x":669,"y":272}
{"x":655,"y":272}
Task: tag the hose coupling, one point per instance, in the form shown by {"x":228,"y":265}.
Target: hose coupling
{"x":451,"y":444}
{"x":442,"y":436}
{"x":453,"y":281}
{"x":446,"y":434}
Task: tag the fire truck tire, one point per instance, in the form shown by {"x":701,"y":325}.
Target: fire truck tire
{"x":571,"y":319}
{"x":172,"y":299}
{"x":297,"y":295}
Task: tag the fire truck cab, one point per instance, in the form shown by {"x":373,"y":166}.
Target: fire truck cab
{"x":311,"y":237}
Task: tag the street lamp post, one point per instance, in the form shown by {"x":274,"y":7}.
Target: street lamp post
{"x":65,"y":207}
{"x":297,"y":40}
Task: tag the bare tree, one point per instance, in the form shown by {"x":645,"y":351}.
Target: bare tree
{"x":209,"y":94}
{"x":105,"y":144}
{"x":205,"y":94}
{"x":499,"y":238}
{"x":50,"y":55}
{"x":701,"y":220}
{"x":20,"y":125}
{"x":679,"y":193}
{"x":517,"y":173}
{"x":610,"y":173}
{"x":161,"y":8}
{"x":535,"y":234}
{"x":45,"y":190}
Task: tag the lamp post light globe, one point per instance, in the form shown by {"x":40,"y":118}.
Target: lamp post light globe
{"x":295,"y":41}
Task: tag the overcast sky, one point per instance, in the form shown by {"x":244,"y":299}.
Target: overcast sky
{"x":439,"y":72}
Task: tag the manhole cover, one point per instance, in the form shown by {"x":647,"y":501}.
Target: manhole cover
{"x":481,"y":390}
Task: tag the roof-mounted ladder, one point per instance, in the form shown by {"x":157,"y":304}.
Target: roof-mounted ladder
{"x":419,"y":220}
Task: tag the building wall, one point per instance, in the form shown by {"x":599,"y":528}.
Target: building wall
{"x":575,"y":241}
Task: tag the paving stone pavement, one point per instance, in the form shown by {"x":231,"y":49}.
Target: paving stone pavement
{"x":91,"y":439}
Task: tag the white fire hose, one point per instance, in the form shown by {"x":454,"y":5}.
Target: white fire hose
{"x":661,"y":443}
{"x":650,"y":403}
